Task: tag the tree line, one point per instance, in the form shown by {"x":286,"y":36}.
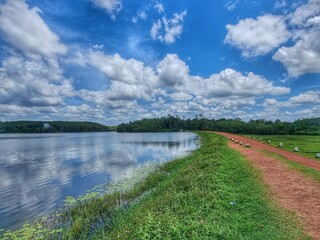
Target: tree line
{"x":50,"y":127}
{"x":175,"y":123}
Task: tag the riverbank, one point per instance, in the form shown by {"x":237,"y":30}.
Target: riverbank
{"x":214,"y":193}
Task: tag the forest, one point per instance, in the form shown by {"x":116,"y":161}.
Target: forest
{"x":50,"y":127}
{"x":175,"y":123}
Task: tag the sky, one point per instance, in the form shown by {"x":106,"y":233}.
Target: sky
{"x":114,"y":61}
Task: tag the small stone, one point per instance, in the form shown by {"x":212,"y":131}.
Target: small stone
{"x":241,"y":143}
{"x":260,"y":139}
{"x":296,"y":149}
{"x":280,"y":144}
{"x":269,"y":141}
{"x":318,"y":155}
{"x":236,"y":141}
{"x":248,"y":145}
{"x":233,"y":203}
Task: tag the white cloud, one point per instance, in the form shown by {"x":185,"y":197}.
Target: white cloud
{"x":111,"y":6}
{"x":306,"y":98}
{"x":232,"y":83}
{"x":181,"y":96}
{"x":27,"y":82}
{"x":173,"y":71}
{"x":116,"y":68}
{"x":168,"y":30}
{"x":159,"y":7}
{"x":231,"y":5}
{"x":140,"y":15}
{"x":255,"y":37}
{"x":25,"y":30}
{"x":170,"y":88}
{"x":305,"y":12}
{"x":280,"y":4}
{"x":304,"y":56}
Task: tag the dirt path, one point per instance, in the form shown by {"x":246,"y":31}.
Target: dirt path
{"x":292,"y":189}
{"x":289,"y":155}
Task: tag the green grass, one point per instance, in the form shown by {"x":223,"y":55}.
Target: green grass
{"x":304,"y":143}
{"x":307,"y":171}
{"x":188,"y":198}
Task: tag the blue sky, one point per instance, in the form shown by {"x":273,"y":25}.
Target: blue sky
{"x":114,"y":61}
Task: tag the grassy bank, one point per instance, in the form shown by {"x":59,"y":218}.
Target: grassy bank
{"x":212,"y":194}
{"x":308,"y":145}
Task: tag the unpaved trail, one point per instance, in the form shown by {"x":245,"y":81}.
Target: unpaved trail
{"x":292,"y":189}
{"x":315,"y":164}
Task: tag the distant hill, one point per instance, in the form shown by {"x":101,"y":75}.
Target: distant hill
{"x":261,"y":126}
{"x":51,"y":127}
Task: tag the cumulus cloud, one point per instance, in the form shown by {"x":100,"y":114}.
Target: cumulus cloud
{"x":24,"y":29}
{"x":32,"y":84}
{"x":27,"y":82}
{"x":116,"y":68}
{"x":172,"y":71}
{"x":232,"y":83}
{"x":111,"y":6}
{"x":303,"y":105}
{"x":168,"y":30}
{"x":170,"y":88}
{"x":308,"y":97}
{"x":305,"y":12}
{"x":255,"y":37}
{"x":304,"y":56}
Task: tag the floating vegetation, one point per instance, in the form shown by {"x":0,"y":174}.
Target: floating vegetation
{"x":52,"y":226}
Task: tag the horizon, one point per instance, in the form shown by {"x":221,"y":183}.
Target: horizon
{"x":116,"y":61}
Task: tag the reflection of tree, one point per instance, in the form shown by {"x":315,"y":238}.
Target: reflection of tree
{"x":36,"y":173}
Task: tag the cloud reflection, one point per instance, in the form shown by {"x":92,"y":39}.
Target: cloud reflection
{"x":38,"y":171}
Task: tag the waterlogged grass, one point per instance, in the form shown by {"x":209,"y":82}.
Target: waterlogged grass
{"x":214,"y":193}
{"x":307,"y":171}
{"x":308,"y":145}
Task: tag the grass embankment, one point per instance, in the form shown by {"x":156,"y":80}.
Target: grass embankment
{"x":214,"y":193}
{"x":308,"y":145}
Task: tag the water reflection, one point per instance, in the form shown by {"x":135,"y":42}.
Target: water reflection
{"x":37,"y":171}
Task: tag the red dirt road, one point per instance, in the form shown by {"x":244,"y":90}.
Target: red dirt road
{"x":292,"y":189}
{"x":262,"y":146}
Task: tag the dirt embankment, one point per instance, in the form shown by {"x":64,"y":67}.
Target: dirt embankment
{"x":292,"y":189}
{"x":289,"y":155}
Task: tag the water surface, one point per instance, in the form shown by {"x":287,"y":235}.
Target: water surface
{"x":38,"y":171}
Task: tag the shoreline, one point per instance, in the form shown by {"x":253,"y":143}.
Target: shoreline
{"x":199,"y":186}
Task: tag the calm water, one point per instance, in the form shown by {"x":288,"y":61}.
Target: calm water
{"x":38,"y":171}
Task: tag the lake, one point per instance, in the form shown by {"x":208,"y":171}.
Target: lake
{"x":38,"y":171}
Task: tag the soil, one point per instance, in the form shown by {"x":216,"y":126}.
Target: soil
{"x":315,"y":164}
{"x":291,"y":189}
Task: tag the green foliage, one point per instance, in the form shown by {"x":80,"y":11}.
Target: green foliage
{"x":186,"y":198}
{"x":308,"y":145}
{"x":193,"y":202}
{"x":171,"y":123}
{"x":55,"y":127}
{"x":32,"y":231}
